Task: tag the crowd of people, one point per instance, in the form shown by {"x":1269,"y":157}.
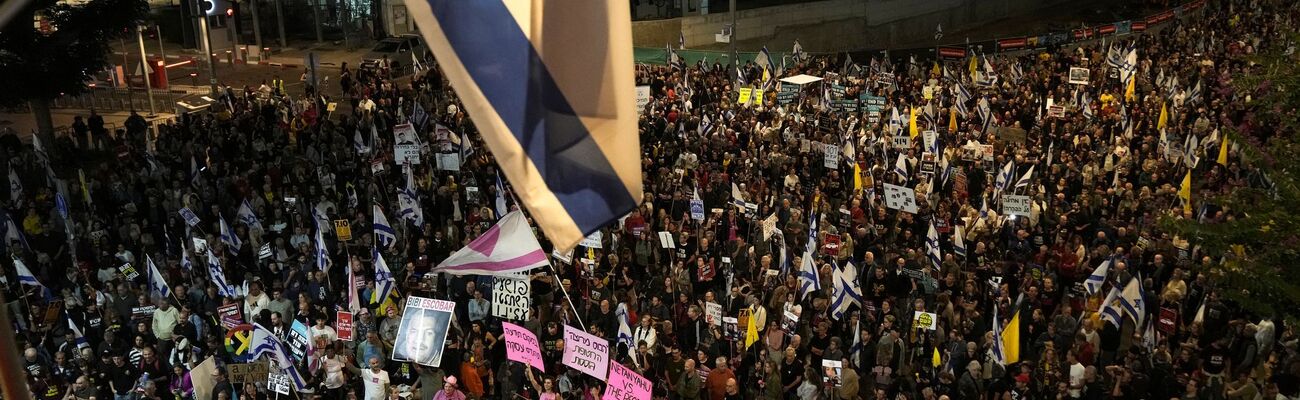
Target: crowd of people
{"x":955,"y":298}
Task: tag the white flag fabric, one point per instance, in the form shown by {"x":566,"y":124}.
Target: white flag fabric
{"x":1024,"y":180}
{"x":385,"y":235}
{"x":808,"y":279}
{"x":247,"y":216}
{"x":384,"y":281}
{"x":322,"y":252}
{"x":958,"y":241}
{"x":1098,"y":278}
{"x":506,"y":248}
{"x":264,"y":342}
{"x":218,"y":277}
{"x":1131,"y":299}
{"x":157,"y":284}
{"x":25,"y":275}
{"x":228,"y":237}
{"x":932,"y":251}
{"x":847,"y":290}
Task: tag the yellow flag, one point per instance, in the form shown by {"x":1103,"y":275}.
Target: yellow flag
{"x":751,"y":332}
{"x":952,"y":121}
{"x":936,"y":361}
{"x":1185,"y":192}
{"x":1011,"y":340}
{"x":1223,"y":152}
{"x":974,"y":66}
{"x":389,"y":302}
{"x":767,"y":76}
{"x":1164,"y":117}
{"x":857,"y":177}
{"x":935,"y":71}
{"x":912,"y":122}
{"x":1129,"y":92}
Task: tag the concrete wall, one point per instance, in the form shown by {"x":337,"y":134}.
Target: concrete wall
{"x":836,"y":25}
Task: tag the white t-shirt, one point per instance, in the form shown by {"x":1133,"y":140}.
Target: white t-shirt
{"x":327,"y":331}
{"x":375,"y":383}
{"x":334,"y":378}
{"x":1076,"y":380}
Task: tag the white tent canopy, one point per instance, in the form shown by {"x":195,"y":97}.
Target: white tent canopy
{"x":801,"y":79}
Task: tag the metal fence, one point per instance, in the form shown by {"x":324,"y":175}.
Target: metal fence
{"x":121,"y":100}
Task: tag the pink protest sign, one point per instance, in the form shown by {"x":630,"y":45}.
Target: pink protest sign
{"x":626,"y":385}
{"x":521,"y":346}
{"x":586,"y":352}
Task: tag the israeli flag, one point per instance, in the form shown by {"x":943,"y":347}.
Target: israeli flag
{"x":384,"y":281}
{"x":1098,"y":278}
{"x":808,"y":280}
{"x":157,"y":284}
{"x":264,"y":342}
{"x":247,"y":216}
{"x":932,"y":251}
{"x":847,"y":290}
{"x":322,"y":252}
{"x":385,"y":235}
{"x":228,"y":237}
{"x":218,"y":277}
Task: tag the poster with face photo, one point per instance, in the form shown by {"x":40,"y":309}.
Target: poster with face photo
{"x":831,"y":373}
{"x":422,"y":334}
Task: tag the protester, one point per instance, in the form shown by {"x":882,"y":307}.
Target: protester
{"x":751,"y":267}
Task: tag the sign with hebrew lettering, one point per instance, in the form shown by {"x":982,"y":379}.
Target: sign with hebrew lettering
{"x":586,"y":352}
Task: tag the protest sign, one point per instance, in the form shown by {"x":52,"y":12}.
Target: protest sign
{"x":832,"y":156}
{"x":1013,"y":204}
{"x":1078,"y":76}
{"x":624,"y":384}
{"x":900,"y":198}
{"x":930,"y":137}
{"x":757,"y":97}
{"x":343,"y":325}
{"x":423,"y":331}
{"x":592,"y":241}
{"x":666,"y":240}
{"x":343,"y":230}
{"x":237,"y":343}
{"x":586,"y":352}
{"x":406,"y":148}
{"x":510,"y":298}
{"x":1056,"y":111}
{"x":522,"y":346}
{"x":744,"y":96}
{"x":565,"y":257}
{"x":925,"y":320}
{"x":278,"y":382}
{"x":831,"y":375}
{"x":901,"y":142}
{"x":297,"y":340}
{"x":230,"y":315}
{"x":448,"y":161}
{"x":730,"y":328}
{"x":129,"y":272}
{"x":713,"y":314}
{"x":190,"y":218}
{"x":789,"y":321}
{"x":697,"y":209}
{"x":248,"y":372}
{"x":642,"y":98}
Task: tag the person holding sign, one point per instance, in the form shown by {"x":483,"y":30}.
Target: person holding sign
{"x":546,"y":390}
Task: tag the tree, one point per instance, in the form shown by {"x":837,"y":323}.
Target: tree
{"x":1256,"y":244}
{"x":36,"y":66}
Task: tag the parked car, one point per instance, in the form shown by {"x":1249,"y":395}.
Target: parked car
{"x":398,"y":49}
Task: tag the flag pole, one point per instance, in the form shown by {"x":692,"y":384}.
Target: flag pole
{"x":567,"y":298}
{"x":10,"y":368}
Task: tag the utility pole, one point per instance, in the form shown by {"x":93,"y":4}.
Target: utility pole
{"x":162,"y":53}
{"x":207,"y":50}
{"x":235,"y":27}
{"x":315,"y":12}
{"x":279,"y":19}
{"x":735,"y":57}
{"x":144,"y":66}
{"x":257,"y":29}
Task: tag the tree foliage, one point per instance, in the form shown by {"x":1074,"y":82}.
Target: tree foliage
{"x":1255,"y":246}
{"x":36,"y":66}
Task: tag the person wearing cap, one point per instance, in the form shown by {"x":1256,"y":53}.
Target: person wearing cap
{"x":450,"y":390}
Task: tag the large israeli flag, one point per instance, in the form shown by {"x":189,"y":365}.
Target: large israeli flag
{"x":550,"y":87}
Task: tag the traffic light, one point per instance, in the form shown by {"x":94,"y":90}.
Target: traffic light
{"x":230,"y":12}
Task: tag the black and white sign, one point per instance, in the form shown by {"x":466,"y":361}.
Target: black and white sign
{"x":900,"y":198}
{"x":1078,"y":76}
{"x":510,"y":298}
{"x":406,"y":147}
{"x":1013,"y":204}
